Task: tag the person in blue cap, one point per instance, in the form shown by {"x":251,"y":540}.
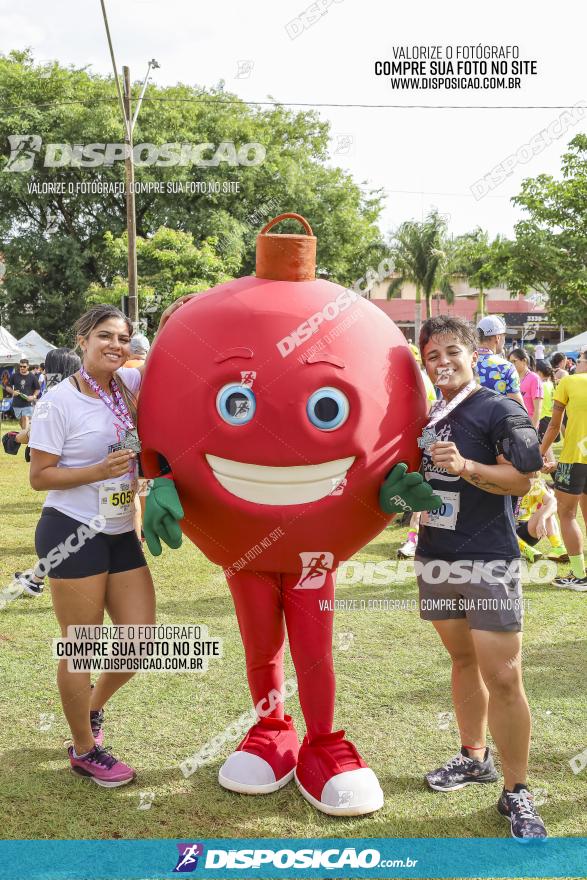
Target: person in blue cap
{"x":495,"y":372}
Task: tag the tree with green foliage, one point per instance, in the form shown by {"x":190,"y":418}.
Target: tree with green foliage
{"x":484,"y":263}
{"x":420,"y":252}
{"x":44,"y":285}
{"x":170,"y":264}
{"x":550,"y":250}
{"x":67,"y":105}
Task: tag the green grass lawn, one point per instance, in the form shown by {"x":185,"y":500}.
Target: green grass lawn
{"x":393,"y":682}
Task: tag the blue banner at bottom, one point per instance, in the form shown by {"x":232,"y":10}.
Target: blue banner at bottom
{"x":282,"y":857}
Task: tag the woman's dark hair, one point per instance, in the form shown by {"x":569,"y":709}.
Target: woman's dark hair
{"x":96,"y":315}
{"x":444,"y":325}
{"x":557,"y":359}
{"x":59,"y":364}
{"x":92,"y":319}
{"x":520,"y":354}
{"x":544,"y":367}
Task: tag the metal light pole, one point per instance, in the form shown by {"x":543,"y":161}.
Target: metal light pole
{"x":131,"y":217}
{"x":129,"y":168}
{"x":129,"y":124}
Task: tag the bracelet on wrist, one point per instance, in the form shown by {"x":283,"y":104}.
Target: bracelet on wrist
{"x":463,"y":470}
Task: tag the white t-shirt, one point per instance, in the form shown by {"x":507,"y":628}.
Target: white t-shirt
{"x":80,"y":429}
{"x":539,"y":352}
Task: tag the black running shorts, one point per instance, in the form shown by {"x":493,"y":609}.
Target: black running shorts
{"x":69,"y":549}
{"x":571,"y":478}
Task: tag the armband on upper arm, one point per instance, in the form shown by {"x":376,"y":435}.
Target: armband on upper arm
{"x":519,"y":444}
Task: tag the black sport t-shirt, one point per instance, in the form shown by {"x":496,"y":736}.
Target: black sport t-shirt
{"x":27,"y":385}
{"x":471,"y":524}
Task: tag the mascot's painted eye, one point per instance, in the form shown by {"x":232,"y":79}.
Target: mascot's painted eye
{"x":328,"y":408}
{"x":236,"y":404}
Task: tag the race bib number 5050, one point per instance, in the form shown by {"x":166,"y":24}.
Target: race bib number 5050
{"x":116,"y":498}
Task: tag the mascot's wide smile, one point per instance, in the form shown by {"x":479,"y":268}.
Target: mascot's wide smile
{"x":261,"y":484}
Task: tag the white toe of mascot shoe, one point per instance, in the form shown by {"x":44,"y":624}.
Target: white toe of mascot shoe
{"x":333,"y":777}
{"x":247,"y":774}
{"x":352,"y":793}
{"x":265,"y":760}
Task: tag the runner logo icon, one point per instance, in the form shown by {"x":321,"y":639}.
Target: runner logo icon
{"x":188,"y":857}
{"x":315,"y":567}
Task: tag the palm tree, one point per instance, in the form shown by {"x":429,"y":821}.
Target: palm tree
{"x":421,"y":257}
{"x":484,"y":263}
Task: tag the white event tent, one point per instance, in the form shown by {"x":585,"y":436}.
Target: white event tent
{"x":10,"y":350}
{"x":575,"y":343}
{"x":34,"y":347}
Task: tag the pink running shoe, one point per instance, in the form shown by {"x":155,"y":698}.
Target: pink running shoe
{"x":97,"y":725}
{"x":101,"y":767}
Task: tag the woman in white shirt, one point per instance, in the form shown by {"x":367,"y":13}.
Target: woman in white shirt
{"x":84,"y":451}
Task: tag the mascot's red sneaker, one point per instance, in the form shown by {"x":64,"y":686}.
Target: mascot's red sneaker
{"x":265,"y":760}
{"x":333,"y":777}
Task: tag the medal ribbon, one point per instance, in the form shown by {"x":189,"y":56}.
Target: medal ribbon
{"x":119,"y":409}
{"x":442,"y":409}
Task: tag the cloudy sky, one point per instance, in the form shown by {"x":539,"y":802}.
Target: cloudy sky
{"x":420,"y":157}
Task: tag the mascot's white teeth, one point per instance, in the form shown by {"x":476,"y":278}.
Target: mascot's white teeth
{"x":279,"y":485}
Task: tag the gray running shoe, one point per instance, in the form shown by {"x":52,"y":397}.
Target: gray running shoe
{"x":518,"y":806}
{"x":462,"y":770}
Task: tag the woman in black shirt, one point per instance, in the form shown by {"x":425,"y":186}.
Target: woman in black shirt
{"x":467,"y":565}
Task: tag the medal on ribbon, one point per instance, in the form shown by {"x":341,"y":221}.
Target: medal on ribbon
{"x":119,"y":409}
{"x":439,"y":411}
{"x":429,"y":436}
{"x":131,"y":441}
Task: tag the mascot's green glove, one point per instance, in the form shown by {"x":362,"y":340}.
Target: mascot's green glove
{"x":404,"y":493}
{"x":162,"y":515}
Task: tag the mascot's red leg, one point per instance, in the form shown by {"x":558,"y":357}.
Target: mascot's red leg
{"x":309,"y":628}
{"x":330,"y":772}
{"x":259,"y":611}
{"x":266,"y":758}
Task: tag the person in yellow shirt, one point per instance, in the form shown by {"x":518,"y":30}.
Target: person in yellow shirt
{"x":537,"y":520}
{"x":546,"y":373}
{"x":431,"y":395}
{"x":570,"y":479}
{"x":408,"y":549}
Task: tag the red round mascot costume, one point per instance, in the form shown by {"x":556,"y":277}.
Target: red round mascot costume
{"x":297,"y":398}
